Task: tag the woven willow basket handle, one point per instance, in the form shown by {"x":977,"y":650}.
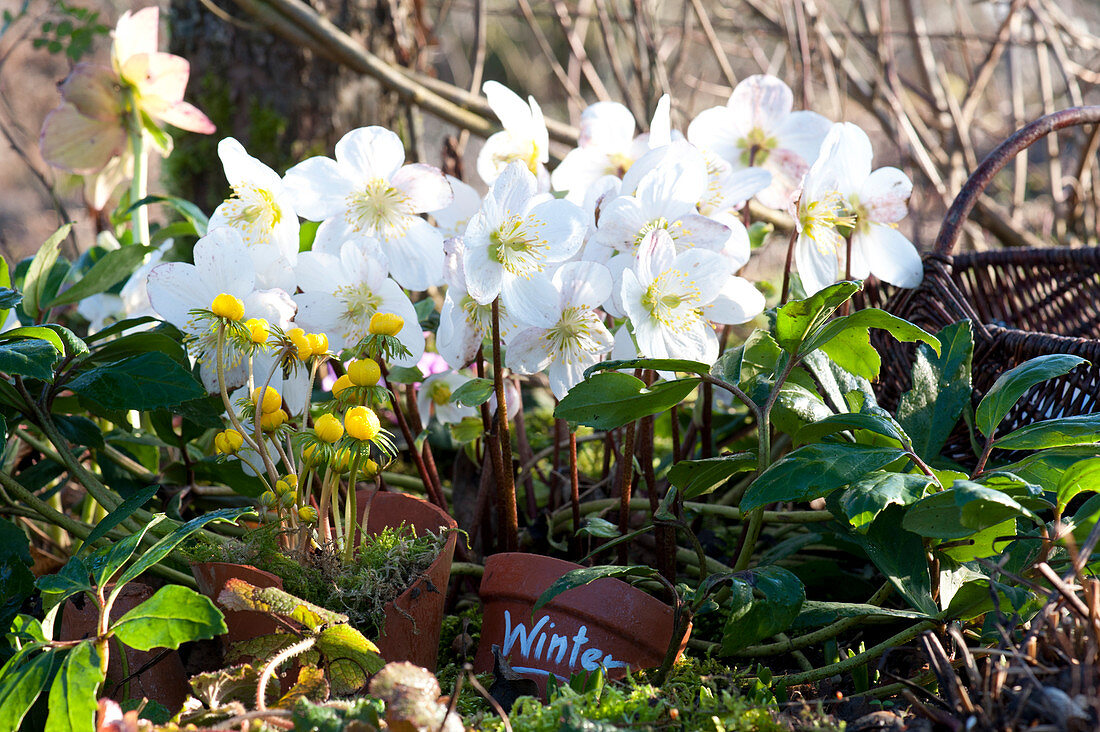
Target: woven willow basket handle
{"x":996,"y":160}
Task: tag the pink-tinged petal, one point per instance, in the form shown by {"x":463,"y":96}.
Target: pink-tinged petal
{"x":718,"y":130}
{"x":884,"y":196}
{"x":319,"y":188}
{"x":160,"y":75}
{"x":527,"y":300}
{"x":527,"y":351}
{"x":764,"y":100}
{"x":818,"y":265}
{"x":700,"y":232}
{"x":416,"y":259}
{"x":457,"y":340}
{"x":243,"y":169}
{"x":561,"y":225}
{"x":186,"y":116}
{"x":80,"y":144}
{"x":135,"y":33}
{"x":175,"y":289}
{"x":99,"y":187}
{"x":706,"y":272}
{"x":787,"y":169}
{"x":890,"y":255}
{"x":222,"y":259}
{"x":607,"y":125}
{"x":509,"y":107}
{"x":372,"y":152}
{"x":94,"y":91}
{"x":483,"y":273}
{"x":585,"y":285}
{"x":425,"y":185}
{"x":802,"y":133}
{"x":738,"y":302}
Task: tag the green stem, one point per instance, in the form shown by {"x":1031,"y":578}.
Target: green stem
{"x":505,"y":482}
{"x":350,"y":511}
{"x":139,"y":184}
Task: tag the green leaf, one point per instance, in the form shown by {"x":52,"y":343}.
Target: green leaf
{"x":850,"y":422}
{"x":147,"y":381}
{"x":657,"y":364}
{"x":698,"y":477}
{"x":975,"y":598}
{"x":1082,"y":477}
{"x":866,"y":499}
{"x":754,"y":616}
{"x":404,"y":375}
{"x":758,"y":355}
{"x":586,"y":576}
{"x":351,"y":658}
{"x":814,"y":471}
{"x":173,"y":615}
{"x":941,"y":390}
{"x":30,"y":357}
{"x":106,"y":562}
{"x":9,"y":298}
{"x":758,"y":231}
{"x":599,"y":528}
{"x":164,"y":547}
{"x":863,"y":320}
{"x":74,"y":691}
{"x":16,"y":579}
{"x":795,"y":406}
{"x":66,"y":582}
{"x":1082,"y":429}
{"x":122,"y":326}
{"x":817,"y":613}
{"x":798,"y":319}
{"x":473,"y":393}
{"x":853,"y":352}
{"x":962,"y":510}
{"x":900,"y":556}
{"x":120,"y":514}
{"x":611,"y":399}
{"x":34,"y":284}
{"x":21,"y":683}
{"x":989,"y":542}
{"x":112,"y":268}
{"x":1014,"y":383}
{"x":189,"y":211}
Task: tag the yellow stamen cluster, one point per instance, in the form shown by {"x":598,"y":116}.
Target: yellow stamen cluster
{"x":227,"y":306}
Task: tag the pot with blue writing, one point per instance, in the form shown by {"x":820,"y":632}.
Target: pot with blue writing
{"x":607,"y":624}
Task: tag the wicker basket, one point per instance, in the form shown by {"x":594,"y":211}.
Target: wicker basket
{"x":1023,"y":303}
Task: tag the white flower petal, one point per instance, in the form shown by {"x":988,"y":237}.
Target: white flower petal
{"x":373,"y":153}
{"x":763,"y":99}
{"x":223,"y":261}
{"x":884,"y":196}
{"x":527,"y":351}
{"x":457,"y":340}
{"x":416,"y":259}
{"x":394,"y":300}
{"x":483,"y":273}
{"x":716,"y":129}
{"x":607,"y":125}
{"x":175,"y":289}
{"x":738,"y":302}
{"x":802,"y":133}
{"x":425,"y":185}
{"x":818,"y":265}
{"x":509,"y":107}
{"x":890,"y":255}
{"x":242,"y":168}
{"x":585,"y":285}
{"x":527,"y":300}
{"x":706,"y":272}
{"x":319,"y":188}
{"x":560,"y":225}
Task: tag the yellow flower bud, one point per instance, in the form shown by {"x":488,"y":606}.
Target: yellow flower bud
{"x":269,"y":401}
{"x":364,"y":372}
{"x":298,"y":337}
{"x":228,"y":307}
{"x":291,"y":480}
{"x":282,"y":486}
{"x":286,"y":500}
{"x":389,"y":324}
{"x":369,"y":469}
{"x":311,"y":454}
{"x":257,"y":330}
{"x":307,"y":514}
{"x":228,"y":442}
{"x":341,"y":383}
{"x":318,"y":343}
{"x":328,"y":428}
{"x":273,"y":420}
{"x":340,"y":460}
{"x":361,"y":423}
{"x":268,"y":499}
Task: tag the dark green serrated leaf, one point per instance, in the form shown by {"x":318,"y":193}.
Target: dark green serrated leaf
{"x":814,"y":471}
{"x":1082,"y":477}
{"x":900,"y":556}
{"x":35,"y":283}
{"x":863,"y":501}
{"x":941,"y":390}
{"x":33,"y":358}
{"x":817,"y":613}
{"x":1082,"y":429}
{"x":147,"y":381}
{"x":586,"y":576}
{"x":106,"y":562}
{"x":473,"y":393}
{"x":112,"y":268}
{"x":9,"y":298}
{"x":404,"y":375}
{"x":173,"y":615}
{"x":863,"y":320}
{"x":599,"y":528}
{"x":850,"y":422}
{"x":66,"y":582}
{"x":989,"y":542}
{"x":961,"y":511}
{"x":167,"y":341}
{"x":1014,"y":383}
{"x":612,"y":399}
{"x":698,"y":477}
{"x":762,"y":617}
{"x":74,"y":690}
{"x":16,"y":579}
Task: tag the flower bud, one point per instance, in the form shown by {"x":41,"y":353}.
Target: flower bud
{"x":273,"y":421}
{"x":340,"y":460}
{"x":369,"y":469}
{"x":228,"y":442}
{"x":228,"y":307}
{"x":268,"y":499}
{"x":283,"y":486}
{"x":362,"y":423}
{"x":298,"y":337}
{"x":388,"y":324}
{"x":328,"y":428}
{"x":286,"y":500}
{"x":257,"y":330}
{"x":318,"y":343}
{"x":364,"y":372}
{"x":269,"y":402}
{"x":342,"y":383}
{"x":307,"y":514}
{"x":311,"y":454}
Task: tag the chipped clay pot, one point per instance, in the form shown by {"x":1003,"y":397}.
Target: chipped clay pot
{"x":413,"y":620}
{"x":607,"y":623}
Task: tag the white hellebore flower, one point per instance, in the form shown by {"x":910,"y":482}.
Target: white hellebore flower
{"x":464,"y":323}
{"x":132,"y":301}
{"x":262,"y":212}
{"x":524,"y":137}
{"x":842,"y":196}
{"x":341,"y":293}
{"x":368,"y":196}
{"x":512,"y":242}
{"x":578,"y":337}
{"x":757,"y":128}
{"x":434,"y":397}
{"x":664,"y":295}
{"x":222,"y":265}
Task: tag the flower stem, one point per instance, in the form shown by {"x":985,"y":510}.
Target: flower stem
{"x":139,"y":184}
{"x":626,"y":475}
{"x":506,"y":486}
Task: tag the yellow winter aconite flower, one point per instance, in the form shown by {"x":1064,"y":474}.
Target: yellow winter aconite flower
{"x":228,"y":442}
{"x":301,"y":342}
{"x":228,"y":307}
{"x":310,"y":454}
{"x":340,"y":460}
{"x":269,"y":401}
{"x":328,"y":428}
{"x":257,"y":330}
{"x":318,"y":343}
{"x":286,"y":485}
{"x":273,"y":420}
{"x":369,"y":469}
{"x":364,"y":372}
{"x":362,"y":424}
{"x":342,"y":383}
{"x":268,"y":499}
{"x":307,"y":514}
{"x":388,"y":324}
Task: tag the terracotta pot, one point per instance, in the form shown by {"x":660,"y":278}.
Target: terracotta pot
{"x":413,"y":620}
{"x":164,"y":682}
{"x":607,"y":623}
